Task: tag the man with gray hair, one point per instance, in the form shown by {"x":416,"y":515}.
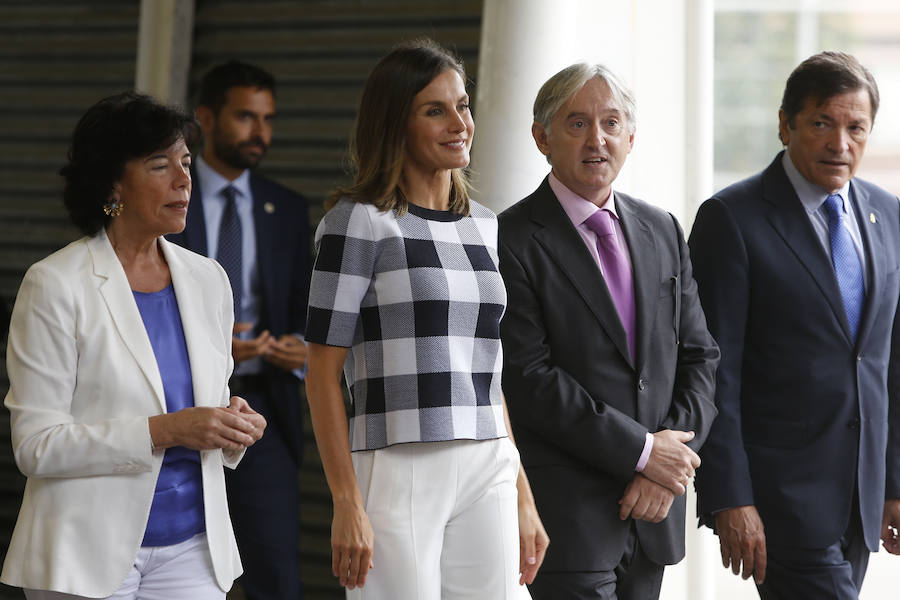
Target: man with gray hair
{"x":608,"y":366}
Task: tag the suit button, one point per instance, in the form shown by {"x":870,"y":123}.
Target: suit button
{"x":642,"y":383}
{"x":859,"y":358}
{"x":853,"y":423}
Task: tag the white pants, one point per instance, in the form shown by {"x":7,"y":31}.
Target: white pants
{"x":178,"y":572}
{"x":445,"y":518}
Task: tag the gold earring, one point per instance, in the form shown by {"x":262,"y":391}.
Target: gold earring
{"x":113,"y":208}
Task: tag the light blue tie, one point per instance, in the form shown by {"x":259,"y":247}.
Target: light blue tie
{"x":847,"y":266}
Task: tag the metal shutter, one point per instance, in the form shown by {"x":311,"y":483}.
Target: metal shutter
{"x":56,"y":59}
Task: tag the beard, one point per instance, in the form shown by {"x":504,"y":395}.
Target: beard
{"x":239,"y":155}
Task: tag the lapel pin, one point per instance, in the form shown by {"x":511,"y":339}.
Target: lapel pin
{"x":872,"y":218}
{"x":270,"y":208}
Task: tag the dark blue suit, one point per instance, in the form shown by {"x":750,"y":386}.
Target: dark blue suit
{"x":262,"y":492}
{"x":807,"y":419}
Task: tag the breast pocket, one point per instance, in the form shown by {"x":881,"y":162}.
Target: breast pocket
{"x":670,"y":304}
{"x":890,"y":280}
{"x":887,"y":295}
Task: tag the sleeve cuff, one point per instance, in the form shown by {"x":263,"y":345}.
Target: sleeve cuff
{"x":301,"y":372}
{"x":645,"y":455}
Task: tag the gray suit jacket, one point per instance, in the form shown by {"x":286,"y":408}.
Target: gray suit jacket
{"x":580,"y":407}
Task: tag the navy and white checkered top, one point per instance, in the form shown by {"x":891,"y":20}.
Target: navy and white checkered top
{"x":418,"y":300}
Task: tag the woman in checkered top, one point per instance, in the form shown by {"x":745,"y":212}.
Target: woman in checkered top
{"x":406,"y":299}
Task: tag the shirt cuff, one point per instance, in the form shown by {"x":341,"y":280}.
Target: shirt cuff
{"x":645,"y":455}
{"x":301,"y":372}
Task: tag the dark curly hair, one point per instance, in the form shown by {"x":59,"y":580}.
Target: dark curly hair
{"x":112,"y":132}
{"x":378,"y":142}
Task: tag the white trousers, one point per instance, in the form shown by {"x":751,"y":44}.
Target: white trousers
{"x":178,"y":572}
{"x":445,"y":519}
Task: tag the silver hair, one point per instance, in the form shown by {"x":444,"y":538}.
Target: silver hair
{"x":557,"y":90}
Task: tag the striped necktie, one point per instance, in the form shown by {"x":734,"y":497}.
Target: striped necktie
{"x":230,"y":248}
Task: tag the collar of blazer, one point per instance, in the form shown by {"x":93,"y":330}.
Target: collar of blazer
{"x":566,"y":248}
{"x":792,"y":224}
{"x":116,"y":292}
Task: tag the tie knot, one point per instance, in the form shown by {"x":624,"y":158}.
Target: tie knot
{"x":834,"y":203}
{"x":601,"y":223}
{"x":230,"y":193}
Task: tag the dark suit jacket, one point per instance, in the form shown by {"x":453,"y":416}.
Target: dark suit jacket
{"x":580,"y":409}
{"x":804,"y":412}
{"x":282,"y":251}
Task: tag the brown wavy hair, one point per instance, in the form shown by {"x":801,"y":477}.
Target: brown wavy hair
{"x":378,"y":142}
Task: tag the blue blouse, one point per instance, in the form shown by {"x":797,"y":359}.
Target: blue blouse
{"x":177,"y":510}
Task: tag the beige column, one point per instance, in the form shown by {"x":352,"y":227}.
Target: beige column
{"x":164,"y":49}
{"x":703,"y":557}
{"x":523,"y":42}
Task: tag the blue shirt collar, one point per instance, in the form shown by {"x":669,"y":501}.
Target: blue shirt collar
{"x":811,"y":195}
{"x":212,"y":182}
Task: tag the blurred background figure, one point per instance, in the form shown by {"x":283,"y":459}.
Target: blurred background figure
{"x":258,"y":230}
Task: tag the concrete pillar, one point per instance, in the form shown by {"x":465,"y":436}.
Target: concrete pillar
{"x":699,"y":135}
{"x":703,"y":555}
{"x":164,"y":49}
{"x":523,"y":42}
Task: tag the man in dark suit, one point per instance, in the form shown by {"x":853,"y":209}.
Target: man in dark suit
{"x":259,"y":231}
{"x":608,"y":366}
{"x":798,"y":274}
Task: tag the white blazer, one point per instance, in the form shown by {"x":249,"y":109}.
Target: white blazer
{"x":83,"y":382}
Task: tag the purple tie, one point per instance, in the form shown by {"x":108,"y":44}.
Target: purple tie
{"x":616,"y":270}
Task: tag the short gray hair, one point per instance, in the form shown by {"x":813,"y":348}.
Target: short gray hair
{"x":558,"y":89}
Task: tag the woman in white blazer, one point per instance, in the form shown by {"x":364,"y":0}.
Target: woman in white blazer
{"x":119,"y":356}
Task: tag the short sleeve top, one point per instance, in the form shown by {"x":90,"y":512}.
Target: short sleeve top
{"x":417,"y":298}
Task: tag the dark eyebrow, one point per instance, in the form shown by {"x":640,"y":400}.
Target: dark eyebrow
{"x":463,"y":98}
{"x":246,"y":112}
